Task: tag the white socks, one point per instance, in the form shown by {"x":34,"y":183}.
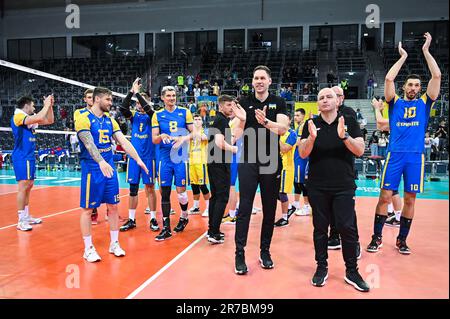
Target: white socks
{"x":22,"y":215}
{"x":196,"y":203}
{"x":152,"y":214}
{"x":87,"y":242}
{"x":232,"y":213}
{"x":184,"y":214}
{"x":296,"y":204}
{"x":27,"y":211}
{"x":132,"y":214}
{"x":398,"y":214}
{"x":285,"y":216}
{"x":390,"y":207}
{"x":114,"y":235}
{"x":206,"y":204}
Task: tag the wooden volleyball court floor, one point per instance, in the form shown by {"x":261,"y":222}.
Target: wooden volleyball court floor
{"x":47,"y":262}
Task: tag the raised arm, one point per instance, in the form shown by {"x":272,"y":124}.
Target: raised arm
{"x":43,"y":115}
{"x":434,"y":86}
{"x":382,"y":123}
{"x":389,"y":84}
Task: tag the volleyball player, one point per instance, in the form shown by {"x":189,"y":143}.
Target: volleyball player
{"x":141,"y":138}
{"x":171,"y":128}
{"x":198,"y":172}
{"x":408,"y":120}
{"x":23,"y":125}
{"x":99,"y":183}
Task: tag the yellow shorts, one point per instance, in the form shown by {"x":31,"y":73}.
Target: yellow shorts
{"x":287,"y":180}
{"x":198,"y":174}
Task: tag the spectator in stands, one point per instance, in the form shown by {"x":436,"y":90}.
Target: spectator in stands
{"x":315,"y":71}
{"x":197,"y":92}
{"x":192,"y":107}
{"x":113,"y":112}
{"x":216,"y":89}
{"x":205,"y":90}
{"x":234,"y":75}
{"x":190,"y":82}
{"x":289,"y":94}
{"x":382,"y":145}
{"x":73,"y":143}
{"x":434,"y":147}
{"x":203,"y":111}
{"x":198,"y":78}
{"x":359,"y":116}
{"x":180,"y":81}
{"x":63,"y":116}
{"x":123,"y":125}
{"x":370,"y":87}
{"x":428,"y":143}
{"x":330,"y":77}
{"x":363,"y":131}
{"x":344,"y":86}
{"x":245,"y":89}
{"x":294,"y":74}
{"x":373,"y":144}
{"x":442,"y":135}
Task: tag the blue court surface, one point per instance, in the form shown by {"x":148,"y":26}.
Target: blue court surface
{"x":366,"y":187}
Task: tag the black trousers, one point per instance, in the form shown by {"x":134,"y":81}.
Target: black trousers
{"x":219,"y":181}
{"x":333,"y":230}
{"x":249,"y":179}
{"x":342,"y":205}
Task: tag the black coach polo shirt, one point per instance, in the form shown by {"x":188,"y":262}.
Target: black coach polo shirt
{"x":275,"y":105}
{"x":220,"y":123}
{"x":331,"y":162}
{"x":347,"y":111}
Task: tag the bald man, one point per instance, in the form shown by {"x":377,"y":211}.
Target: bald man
{"x":331,"y":141}
{"x":334,"y":240}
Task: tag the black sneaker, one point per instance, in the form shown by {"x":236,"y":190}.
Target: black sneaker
{"x":208,"y":234}
{"x":130,"y":224}
{"x":392,"y":221}
{"x":402,"y":247}
{"x":181,"y":225}
{"x":375,"y":244}
{"x":334,"y":243}
{"x":194,"y":211}
{"x":291,"y":211}
{"x":216,"y":239}
{"x":240,"y":267}
{"x":164,"y":234}
{"x":265,"y":260}
{"x":352,"y":277}
{"x":154,"y":225}
{"x":281,"y":222}
{"x":358,"y":250}
{"x":390,"y":214}
{"x":320,"y":277}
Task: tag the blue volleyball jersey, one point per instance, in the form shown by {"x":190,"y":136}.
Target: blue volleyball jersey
{"x":173,"y":124}
{"x":141,"y":135}
{"x":408,"y":121}
{"x":298,"y":130}
{"x":102,"y":130}
{"x":24,"y":137}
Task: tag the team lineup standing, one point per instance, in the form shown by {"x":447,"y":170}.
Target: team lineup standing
{"x":277,"y":168}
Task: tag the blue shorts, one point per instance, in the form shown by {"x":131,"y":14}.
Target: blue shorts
{"x":410,"y":165}
{"x":300,"y":171}
{"x":234,"y":173}
{"x":167,"y":170}
{"x":25,"y":170}
{"x":134,"y":172}
{"x":96,"y":188}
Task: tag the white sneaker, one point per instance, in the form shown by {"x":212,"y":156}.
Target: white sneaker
{"x":147,"y":210}
{"x":33,"y":221}
{"x":91,"y":255}
{"x":205,"y":213}
{"x":23,"y":225}
{"x":114,"y":248}
{"x":172,"y":211}
{"x":305,"y":211}
{"x":255,"y":210}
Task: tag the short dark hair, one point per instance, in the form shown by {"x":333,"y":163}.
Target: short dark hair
{"x":88,"y":91}
{"x":301,"y":110}
{"x":23,"y":101}
{"x":264,"y":68}
{"x":413,"y":77}
{"x":225,"y":98}
{"x":196,"y":115}
{"x":100,"y":91}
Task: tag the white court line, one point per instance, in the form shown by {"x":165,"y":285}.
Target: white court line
{"x":159,"y":273}
{"x":59,"y":213}
{"x":33,"y":189}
